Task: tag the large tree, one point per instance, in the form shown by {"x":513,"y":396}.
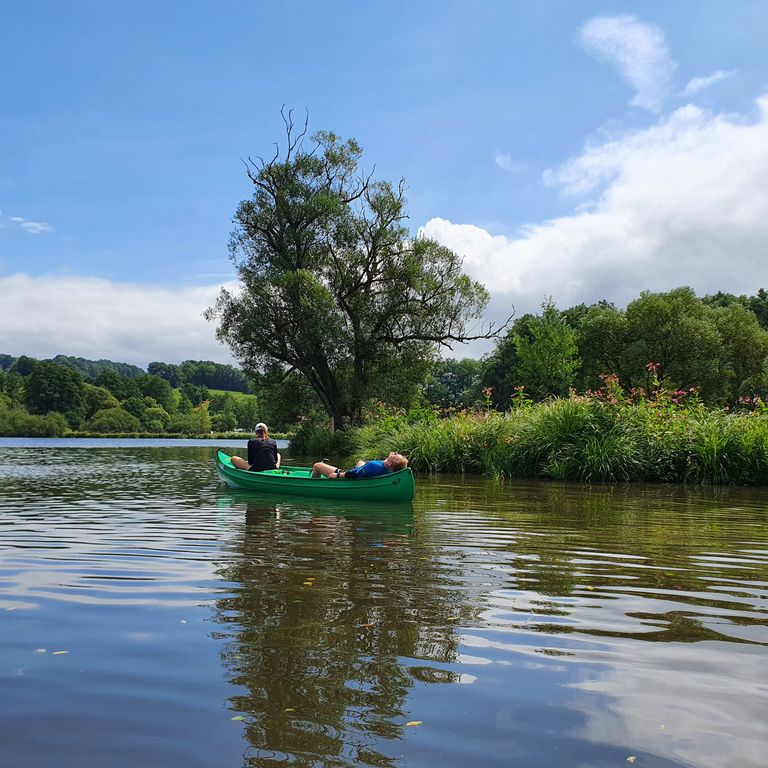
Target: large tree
{"x":333,"y":285}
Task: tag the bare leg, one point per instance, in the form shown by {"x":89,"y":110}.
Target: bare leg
{"x":239,"y":463}
{"x":320,"y":468}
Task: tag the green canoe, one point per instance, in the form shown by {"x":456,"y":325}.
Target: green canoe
{"x":397,"y":487}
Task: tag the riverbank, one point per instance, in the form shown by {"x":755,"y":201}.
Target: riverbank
{"x":585,"y":439}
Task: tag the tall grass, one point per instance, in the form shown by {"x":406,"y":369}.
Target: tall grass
{"x":583,"y":439}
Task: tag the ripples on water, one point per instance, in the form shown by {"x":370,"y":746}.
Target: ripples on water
{"x":515,"y":624}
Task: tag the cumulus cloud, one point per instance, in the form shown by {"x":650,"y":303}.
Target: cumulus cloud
{"x":637,"y":49}
{"x":678,"y":203}
{"x":95,"y":318}
{"x":700,"y":83}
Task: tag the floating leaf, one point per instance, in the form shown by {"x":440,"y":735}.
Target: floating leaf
{"x":59,"y":653}
{"x":591,"y":589}
{"x":289,"y":709}
{"x":308,"y":584}
{"x":631,"y":758}
{"x":40,"y":650}
{"x":415,"y":722}
{"x":238,"y":717}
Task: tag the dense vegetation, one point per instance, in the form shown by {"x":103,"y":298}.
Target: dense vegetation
{"x":51,"y":397}
{"x":603,"y":436}
{"x":672,"y":388}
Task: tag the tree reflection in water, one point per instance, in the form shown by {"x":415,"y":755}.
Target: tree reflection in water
{"x":329,"y":607}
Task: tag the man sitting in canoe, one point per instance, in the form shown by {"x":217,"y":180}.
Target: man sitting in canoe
{"x":262,"y":452}
{"x":393,"y":463}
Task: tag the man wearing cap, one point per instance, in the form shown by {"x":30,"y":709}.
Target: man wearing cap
{"x":262,"y":452}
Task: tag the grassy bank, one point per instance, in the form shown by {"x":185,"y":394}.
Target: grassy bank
{"x":600,"y":438}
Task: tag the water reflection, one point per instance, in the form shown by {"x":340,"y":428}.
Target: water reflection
{"x":521,"y":623}
{"x":330,"y":600}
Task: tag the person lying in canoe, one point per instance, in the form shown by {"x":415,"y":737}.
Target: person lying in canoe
{"x":393,"y":463}
{"x":262,"y":452}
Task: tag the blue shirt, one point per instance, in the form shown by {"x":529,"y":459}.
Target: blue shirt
{"x":369,"y":469}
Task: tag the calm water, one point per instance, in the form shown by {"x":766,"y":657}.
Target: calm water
{"x":149,"y":617}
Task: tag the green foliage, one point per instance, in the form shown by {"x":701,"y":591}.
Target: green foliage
{"x":157,"y":388}
{"x":319,"y":442}
{"x":715,"y":344}
{"x":184,"y":405}
{"x":98,"y":398}
{"x":195,"y":394}
{"x":156,"y":419}
{"x":548,"y":357}
{"x":210,"y":375}
{"x":285,"y":400}
{"x":609,"y":436}
{"x":52,"y":387}
{"x":677,"y":331}
{"x":120,"y":386}
{"x":13,"y":388}
{"x":224,"y":421}
{"x":17,"y":422}
{"x":454,"y":383}
{"x":171,"y":373}
{"x":135,"y":406}
{"x":91,"y":369}
{"x":196,"y":422}
{"x":113,"y":420}
{"x":500,"y":367}
{"x":602,"y":338}
{"x":334,"y":286}
{"x":24,"y":366}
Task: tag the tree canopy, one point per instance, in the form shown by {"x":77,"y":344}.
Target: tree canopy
{"x":333,"y":286}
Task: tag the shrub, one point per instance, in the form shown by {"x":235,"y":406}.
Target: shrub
{"x":17,"y":422}
{"x":113,"y":420}
{"x":318,"y":441}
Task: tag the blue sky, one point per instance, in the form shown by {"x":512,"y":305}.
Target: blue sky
{"x":579,"y":150}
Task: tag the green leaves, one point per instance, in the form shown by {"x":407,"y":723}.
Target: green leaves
{"x":334,"y":288}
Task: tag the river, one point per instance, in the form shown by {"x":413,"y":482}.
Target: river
{"x":149,"y":616}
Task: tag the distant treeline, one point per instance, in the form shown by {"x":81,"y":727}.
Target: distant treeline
{"x":712,"y":349}
{"x":200,"y":373}
{"x":52,"y":398}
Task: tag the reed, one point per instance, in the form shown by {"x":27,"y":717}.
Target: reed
{"x":583,"y":439}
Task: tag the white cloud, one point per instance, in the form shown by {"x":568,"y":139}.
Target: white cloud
{"x":95,"y":318}
{"x":505,"y":161}
{"x":637,"y":49}
{"x":679,"y":203}
{"x":33,"y":227}
{"x":700,"y":83}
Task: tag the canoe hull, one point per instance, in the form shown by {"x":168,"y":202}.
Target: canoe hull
{"x":397,"y":487}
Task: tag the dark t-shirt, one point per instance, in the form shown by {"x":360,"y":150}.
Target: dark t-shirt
{"x":262,"y":454}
